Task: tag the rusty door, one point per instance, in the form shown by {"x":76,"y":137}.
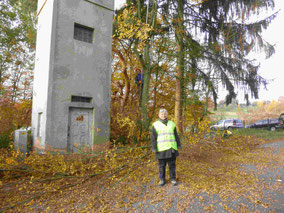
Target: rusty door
{"x":79,"y":129}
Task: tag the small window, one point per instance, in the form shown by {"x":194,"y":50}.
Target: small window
{"x":39,"y":125}
{"x":81,"y":99}
{"x":83,"y":33}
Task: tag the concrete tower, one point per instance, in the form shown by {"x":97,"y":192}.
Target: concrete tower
{"x":71,"y":98}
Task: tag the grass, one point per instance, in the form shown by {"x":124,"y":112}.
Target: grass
{"x":261,"y":133}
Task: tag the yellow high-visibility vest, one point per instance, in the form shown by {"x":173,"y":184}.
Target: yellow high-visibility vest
{"x":166,"y":137}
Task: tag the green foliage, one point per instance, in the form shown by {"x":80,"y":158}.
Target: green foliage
{"x":5,"y":140}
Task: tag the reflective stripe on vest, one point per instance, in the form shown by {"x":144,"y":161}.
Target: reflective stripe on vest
{"x":166,"y":137}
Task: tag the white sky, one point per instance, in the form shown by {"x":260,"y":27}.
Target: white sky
{"x":272,"y":68}
{"x":118,"y":3}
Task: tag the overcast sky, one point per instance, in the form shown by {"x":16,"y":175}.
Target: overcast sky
{"x":272,"y":68}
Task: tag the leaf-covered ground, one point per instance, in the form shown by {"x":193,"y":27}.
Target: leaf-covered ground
{"x":214,"y":175}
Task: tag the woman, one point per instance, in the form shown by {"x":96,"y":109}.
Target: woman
{"x":165,"y":144}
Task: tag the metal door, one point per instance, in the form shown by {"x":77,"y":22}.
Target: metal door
{"x":79,"y":129}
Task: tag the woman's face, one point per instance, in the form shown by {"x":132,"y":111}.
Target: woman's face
{"x":162,"y":115}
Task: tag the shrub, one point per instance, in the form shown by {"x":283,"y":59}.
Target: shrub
{"x":5,"y":139}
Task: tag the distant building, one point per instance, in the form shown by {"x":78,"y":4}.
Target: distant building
{"x":71,"y":98}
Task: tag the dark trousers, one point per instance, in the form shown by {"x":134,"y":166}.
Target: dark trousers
{"x":140,"y":89}
{"x":172,"y":168}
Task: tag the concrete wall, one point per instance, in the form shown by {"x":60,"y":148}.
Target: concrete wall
{"x":65,"y":67}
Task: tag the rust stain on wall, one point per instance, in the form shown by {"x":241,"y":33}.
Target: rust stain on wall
{"x":80,"y":118}
{"x":37,"y":145}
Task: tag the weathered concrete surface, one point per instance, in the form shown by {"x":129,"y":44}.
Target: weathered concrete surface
{"x":67,"y":67}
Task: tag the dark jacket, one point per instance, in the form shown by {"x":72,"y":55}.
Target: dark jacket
{"x":139,"y":77}
{"x":167,"y":153}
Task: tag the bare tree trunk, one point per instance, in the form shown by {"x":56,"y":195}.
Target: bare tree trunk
{"x":146,"y":64}
{"x":179,"y":68}
{"x":178,"y":94}
{"x":125,"y":95}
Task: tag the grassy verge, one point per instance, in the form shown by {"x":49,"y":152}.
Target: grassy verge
{"x":261,"y":133}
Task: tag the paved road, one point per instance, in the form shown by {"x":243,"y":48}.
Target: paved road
{"x":274,"y":198}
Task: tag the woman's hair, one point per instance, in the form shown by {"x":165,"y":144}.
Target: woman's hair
{"x":163,"y":110}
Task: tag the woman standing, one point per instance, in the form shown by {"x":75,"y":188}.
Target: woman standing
{"x":165,"y":144}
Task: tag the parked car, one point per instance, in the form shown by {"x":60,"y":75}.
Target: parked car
{"x":281,"y":121}
{"x":228,"y":124}
{"x":270,"y":124}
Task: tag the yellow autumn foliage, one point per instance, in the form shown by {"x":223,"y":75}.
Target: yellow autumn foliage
{"x":111,"y":181}
{"x":129,"y":26}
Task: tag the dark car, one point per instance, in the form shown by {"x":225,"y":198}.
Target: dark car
{"x":281,"y":121}
{"x":270,"y":124}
